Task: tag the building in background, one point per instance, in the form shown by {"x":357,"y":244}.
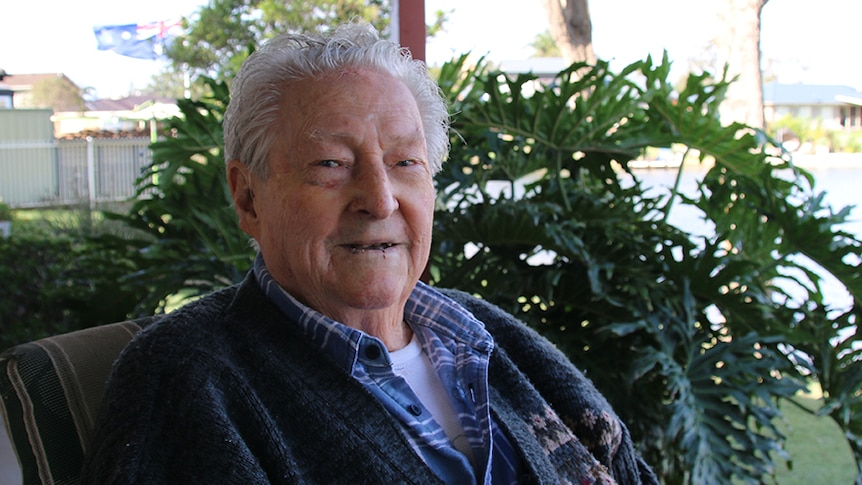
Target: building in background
{"x":53,"y":90}
{"x":57,"y":150}
{"x":834,"y":107}
{"x":132,"y":116}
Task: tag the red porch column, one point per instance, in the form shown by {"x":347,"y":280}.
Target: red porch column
{"x":410,"y":15}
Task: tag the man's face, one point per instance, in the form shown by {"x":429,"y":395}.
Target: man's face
{"x":344,"y":219}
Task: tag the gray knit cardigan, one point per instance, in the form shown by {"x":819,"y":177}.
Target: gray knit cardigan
{"x":224,"y":391}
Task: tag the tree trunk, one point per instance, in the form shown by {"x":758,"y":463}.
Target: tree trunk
{"x":739,"y":50}
{"x":571,"y":29}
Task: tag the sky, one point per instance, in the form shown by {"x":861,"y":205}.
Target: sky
{"x":800,"y":42}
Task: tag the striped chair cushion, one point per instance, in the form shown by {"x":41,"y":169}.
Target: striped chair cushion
{"x":50,"y":391}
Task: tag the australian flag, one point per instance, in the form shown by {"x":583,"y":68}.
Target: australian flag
{"x":141,"y":41}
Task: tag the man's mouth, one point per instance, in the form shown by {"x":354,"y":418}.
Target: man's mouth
{"x":357,"y":248}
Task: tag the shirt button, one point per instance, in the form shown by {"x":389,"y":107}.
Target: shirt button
{"x":372,"y":352}
{"x":414,"y":409}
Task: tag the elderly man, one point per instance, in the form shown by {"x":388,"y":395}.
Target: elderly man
{"x":331,"y":362}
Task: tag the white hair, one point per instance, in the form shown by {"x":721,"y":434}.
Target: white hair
{"x":251,"y":119}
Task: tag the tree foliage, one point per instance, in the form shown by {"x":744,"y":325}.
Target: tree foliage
{"x":220,"y":35}
{"x":697,"y":340}
{"x":545,"y":46}
{"x":58,"y":93}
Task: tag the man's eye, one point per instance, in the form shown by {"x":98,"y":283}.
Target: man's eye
{"x":329,"y":163}
{"x":406,"y":163}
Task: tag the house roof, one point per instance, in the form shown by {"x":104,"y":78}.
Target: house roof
{"x":25,"y":82}
{"x":130,"y":103}
{"x":807,"y":94}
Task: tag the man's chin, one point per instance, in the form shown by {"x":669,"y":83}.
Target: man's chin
{"x":374,"y":292}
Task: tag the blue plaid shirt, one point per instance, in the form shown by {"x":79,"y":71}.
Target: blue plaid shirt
{"x":458,"y":346}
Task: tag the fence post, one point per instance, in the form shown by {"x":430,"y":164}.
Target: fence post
{"x":91,"y":172}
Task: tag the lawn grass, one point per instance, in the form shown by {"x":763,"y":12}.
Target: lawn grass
{"x":68,"y":221}
{"x":819,"y":452}
{"x":48,"y":222}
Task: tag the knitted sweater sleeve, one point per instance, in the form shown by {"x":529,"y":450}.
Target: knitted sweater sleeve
{"x":571,"y":394}
{"x":165,"y":423}
{"x":176,"y":410}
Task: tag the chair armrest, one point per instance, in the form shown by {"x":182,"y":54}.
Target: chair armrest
{"x":50,"y":392}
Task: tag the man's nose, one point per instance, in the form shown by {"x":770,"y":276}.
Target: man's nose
{"x":373,"y":191}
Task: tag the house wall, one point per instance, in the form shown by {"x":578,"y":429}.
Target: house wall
{"x":24,"y":84}
{"x":830,"y":116}
{"x":23,"y":99}
{"x":69,"y":123}
{"x":850,"y":117}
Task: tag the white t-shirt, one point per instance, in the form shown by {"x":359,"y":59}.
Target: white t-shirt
{"x":414,"y":366}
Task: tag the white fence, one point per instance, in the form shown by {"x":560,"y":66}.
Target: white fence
{"x":64,"y":172}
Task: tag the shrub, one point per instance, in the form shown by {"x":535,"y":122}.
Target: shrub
{"x":60,"y":284}
{"x":695,"y":340}
{"x":5,"y":211}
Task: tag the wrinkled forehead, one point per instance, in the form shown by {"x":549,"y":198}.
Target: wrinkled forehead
{"x":337,"y":105}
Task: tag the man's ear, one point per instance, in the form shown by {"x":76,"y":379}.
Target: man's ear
{"x":239,"y":179}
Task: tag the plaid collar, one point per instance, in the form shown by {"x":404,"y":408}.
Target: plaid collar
{"x":426,"y":308}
